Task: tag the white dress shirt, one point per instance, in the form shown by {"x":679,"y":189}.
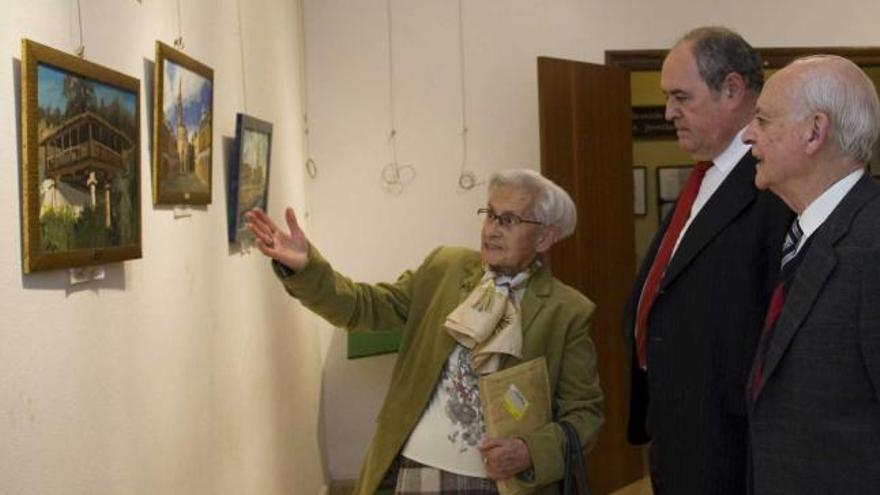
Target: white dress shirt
{"x":820,"y":209}
{"x":723,"y":164}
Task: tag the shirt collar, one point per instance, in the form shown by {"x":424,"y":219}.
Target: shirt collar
{"x":733,"y":154}
{"x":516,"y":280}
{"x":818,"y":211}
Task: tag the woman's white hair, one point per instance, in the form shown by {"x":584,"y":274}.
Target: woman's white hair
{"x":552,"y":205}
{"x":849,"y":99}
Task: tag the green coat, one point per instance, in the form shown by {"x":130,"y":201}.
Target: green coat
{"x":555,"y":319}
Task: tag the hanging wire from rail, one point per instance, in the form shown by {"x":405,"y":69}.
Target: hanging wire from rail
{"x":311,"y":165}
{"x":395,"y":176}
{"x":467,"y":179}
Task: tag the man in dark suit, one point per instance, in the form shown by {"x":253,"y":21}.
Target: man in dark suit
{"x":814,"y":391}
{"x":694,"y":316}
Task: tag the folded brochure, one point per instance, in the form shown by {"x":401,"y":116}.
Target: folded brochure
{"x":516,"y":401}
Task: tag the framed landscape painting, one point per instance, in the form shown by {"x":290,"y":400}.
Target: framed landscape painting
{"x":248,"y":173}
{"x":183,"y":90}
{"x":80,"y":173}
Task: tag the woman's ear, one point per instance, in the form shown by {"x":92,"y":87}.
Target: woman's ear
{"x":547,"y":238}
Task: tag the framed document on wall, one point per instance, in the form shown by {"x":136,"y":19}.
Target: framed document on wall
{"x":640,"y":198}
{"x":670,"y":180}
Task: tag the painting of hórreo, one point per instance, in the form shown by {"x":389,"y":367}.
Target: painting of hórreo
{"x":80,"y":161}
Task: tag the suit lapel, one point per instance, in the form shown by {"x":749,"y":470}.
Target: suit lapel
{"x":533,"y":298}
{"x":811,"y":276}
{"x":532,"y":302}
{"x":473,"y":273}
{"x":735,"y":194}
{"x":818,"y":263}
{"x":472,"y":276}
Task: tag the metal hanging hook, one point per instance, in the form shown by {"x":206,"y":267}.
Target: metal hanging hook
{"x":81,"y":49}
{"x":178,"y":42}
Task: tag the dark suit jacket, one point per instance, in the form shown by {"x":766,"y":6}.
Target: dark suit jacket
{"x":702,"y":333}
{"x":815,"y":425}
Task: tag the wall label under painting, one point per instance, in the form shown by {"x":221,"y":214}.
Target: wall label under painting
{"x":80,"y":161}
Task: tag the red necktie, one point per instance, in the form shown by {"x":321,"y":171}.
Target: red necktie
{"x":661,"y":260}
{"x":773,"y":312}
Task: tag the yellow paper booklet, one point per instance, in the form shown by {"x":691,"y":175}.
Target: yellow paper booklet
{"x":516,"y":401}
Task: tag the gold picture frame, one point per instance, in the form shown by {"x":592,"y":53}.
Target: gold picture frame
{"x":80,"y":167}
{"x":183,"y":110}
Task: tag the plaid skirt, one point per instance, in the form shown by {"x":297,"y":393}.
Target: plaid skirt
{"x":408,"y":477}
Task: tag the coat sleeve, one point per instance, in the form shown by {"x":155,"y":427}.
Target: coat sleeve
{"x":578,"y":400}
{"x":349,"y":304}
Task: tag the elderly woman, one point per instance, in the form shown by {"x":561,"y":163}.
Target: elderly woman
{"x":430,"y":435}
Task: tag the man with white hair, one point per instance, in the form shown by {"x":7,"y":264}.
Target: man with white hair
{"x":430,"y":436}
{"x":814,"y":388}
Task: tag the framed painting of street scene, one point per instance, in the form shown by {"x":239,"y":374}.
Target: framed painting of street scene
{"x":248,"y":173}
{"x":80,"y":174}
{"x":183,"y":95}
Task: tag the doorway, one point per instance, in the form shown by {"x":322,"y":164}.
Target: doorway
{"x":659,"y":166}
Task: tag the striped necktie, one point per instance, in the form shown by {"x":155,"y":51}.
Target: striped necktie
{"x":789,"y":247}
{"x":789,"y":252}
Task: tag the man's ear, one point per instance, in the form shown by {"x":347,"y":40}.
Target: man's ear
{"x":817,"y":133}
{"x":547,"y":238}
{"x":733,"y":87}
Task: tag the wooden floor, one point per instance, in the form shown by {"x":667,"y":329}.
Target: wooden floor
{"x":641,"y":487}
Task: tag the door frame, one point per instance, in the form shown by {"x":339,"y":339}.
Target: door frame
{"x":772,"y":58}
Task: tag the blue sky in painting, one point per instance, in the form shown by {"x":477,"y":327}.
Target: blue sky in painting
{"x":50,"y":91}
{"x":196,"y":91}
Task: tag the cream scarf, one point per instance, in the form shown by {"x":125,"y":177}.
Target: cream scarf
{"x":488,"y":321}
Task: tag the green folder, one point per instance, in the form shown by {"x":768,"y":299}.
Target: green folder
{"x":365,"y":344}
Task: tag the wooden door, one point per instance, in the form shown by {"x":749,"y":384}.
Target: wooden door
{"x":586,"y":147}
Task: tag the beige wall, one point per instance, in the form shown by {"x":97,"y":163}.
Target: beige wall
{"x":188,"y":371}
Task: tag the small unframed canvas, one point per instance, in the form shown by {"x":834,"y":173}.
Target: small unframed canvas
{"x":182,"y":128}
{"x":80,"y":161}
{"x":248,"y":173}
